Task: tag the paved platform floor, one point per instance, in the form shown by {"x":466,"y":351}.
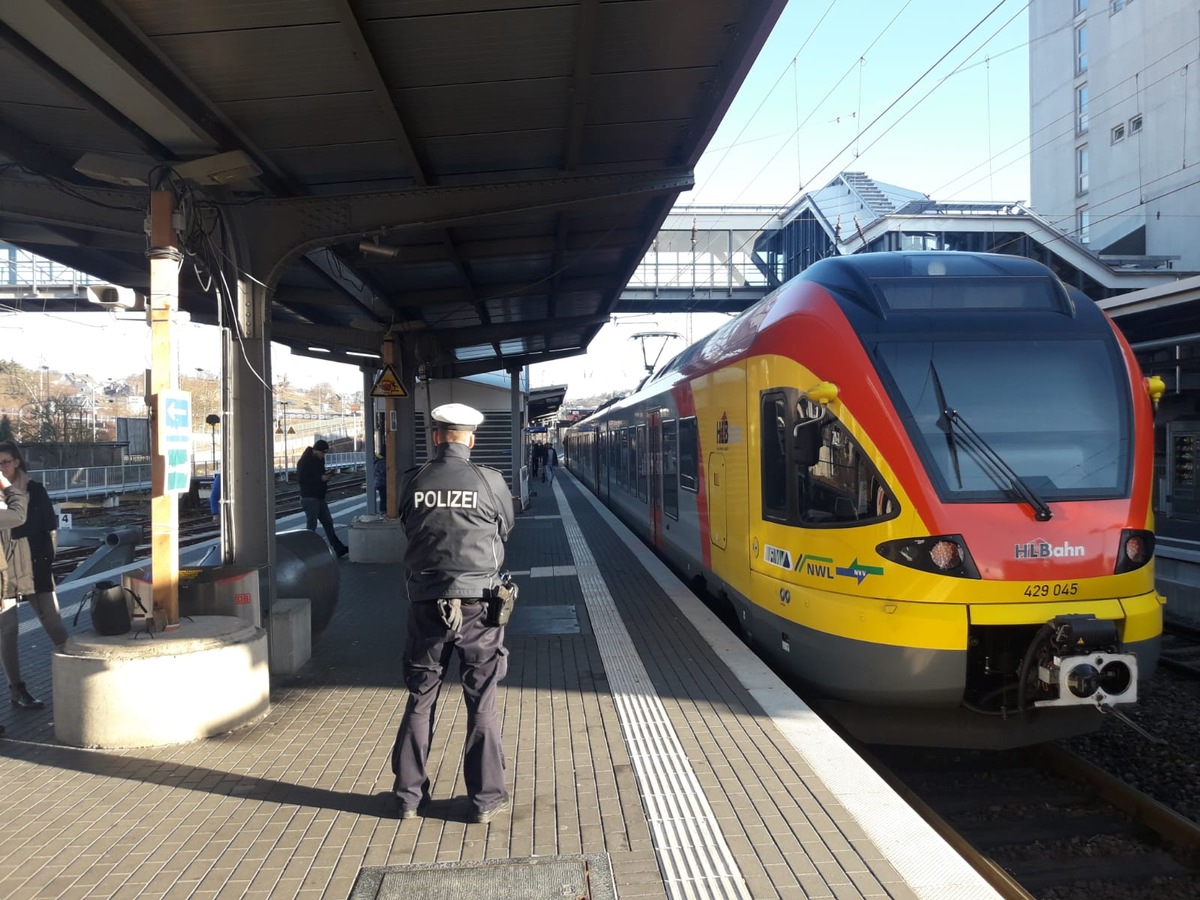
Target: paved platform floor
{"x":634,"y":748}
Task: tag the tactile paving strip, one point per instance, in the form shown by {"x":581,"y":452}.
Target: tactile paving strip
{"x":692,"y":852}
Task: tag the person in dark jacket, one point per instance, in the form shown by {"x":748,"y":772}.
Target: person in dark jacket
{"x":29,"y":550}
{"x":313,"y":481}
{"x":456,"y":516}
{"x":380,"y":481}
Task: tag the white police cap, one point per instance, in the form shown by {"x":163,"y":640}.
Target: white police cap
{"x":457,"y":415}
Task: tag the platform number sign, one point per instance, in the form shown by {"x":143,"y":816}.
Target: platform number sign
{"x":174,"y":414}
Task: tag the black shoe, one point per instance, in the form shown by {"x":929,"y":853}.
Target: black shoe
{"x":22,"y":699}
{"x":342,"y":551}
{"x":410,"y":812}
{"x":482,"y":817}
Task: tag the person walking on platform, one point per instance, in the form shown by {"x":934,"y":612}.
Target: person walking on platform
{"x":551,"y":463}
{"x":214,"y":498}
{"x":539,"y":460}
{"x":456,"y":516}
{"x":29,"y":547}
{"x":313,"y":481}
{"x":379,"y":479}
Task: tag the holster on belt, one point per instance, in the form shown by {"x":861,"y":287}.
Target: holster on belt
{"x":500,"y":604}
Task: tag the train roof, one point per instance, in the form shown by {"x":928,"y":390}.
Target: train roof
{"x":895,"y":291}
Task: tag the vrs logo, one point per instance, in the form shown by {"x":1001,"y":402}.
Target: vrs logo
{"x":1040,"y":549}
{"x":777,"y":556}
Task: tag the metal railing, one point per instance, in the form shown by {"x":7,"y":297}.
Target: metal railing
{"x":103,"y":481}
{"x":93,"y":481}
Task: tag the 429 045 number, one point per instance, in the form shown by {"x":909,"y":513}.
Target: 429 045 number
{"x":1057,"y":589}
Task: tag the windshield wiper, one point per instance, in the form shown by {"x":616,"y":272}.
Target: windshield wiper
{"x":974,"y":442}
{"x":944,"y":423}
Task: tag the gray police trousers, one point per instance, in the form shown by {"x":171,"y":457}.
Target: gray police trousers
{"x":483,"y":663}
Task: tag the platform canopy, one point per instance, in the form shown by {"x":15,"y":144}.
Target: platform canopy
{"x":482,"y":174}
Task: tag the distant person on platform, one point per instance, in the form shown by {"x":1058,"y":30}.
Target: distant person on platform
{"x":380,"y":482}
{"x":29,"y":547}
{"x":539,"y":460}
{"x":214,"y":498}
{"x":551,"y":464}
{"x":456,"y":516}
{"x":313,"y":481}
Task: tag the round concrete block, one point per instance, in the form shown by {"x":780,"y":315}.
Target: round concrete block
{"x":208,"y":677}
{"x":306,"y":567}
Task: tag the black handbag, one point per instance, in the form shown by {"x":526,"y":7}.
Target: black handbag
{"x":110,"y":608}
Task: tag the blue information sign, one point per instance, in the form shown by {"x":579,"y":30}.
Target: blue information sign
{"x":175,"y":439}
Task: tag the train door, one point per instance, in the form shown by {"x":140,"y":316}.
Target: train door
{"x":655,"y":463}
{"x":717,"y":528}
{"x":604,"y":452}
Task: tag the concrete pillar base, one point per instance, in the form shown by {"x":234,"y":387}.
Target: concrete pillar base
{"x":289,"y":633}
{"x":374,"y":539}
{"x":208,"y":677}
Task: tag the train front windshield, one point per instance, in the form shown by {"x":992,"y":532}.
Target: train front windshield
{"x":1056,"y":412}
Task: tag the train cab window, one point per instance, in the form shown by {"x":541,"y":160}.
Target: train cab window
{"x":838,"y":484}
{"x":814,"y":472}
{"x":670,"y":468}
{"x":640,"y":448}
{"x":689,"y":454}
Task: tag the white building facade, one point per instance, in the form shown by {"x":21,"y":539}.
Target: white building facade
{"x":1115,"y":126}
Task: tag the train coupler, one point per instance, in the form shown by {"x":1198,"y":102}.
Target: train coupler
{"x":1080,"y":664}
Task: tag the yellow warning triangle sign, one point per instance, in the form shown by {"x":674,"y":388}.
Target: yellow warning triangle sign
{"x":388,"y":384}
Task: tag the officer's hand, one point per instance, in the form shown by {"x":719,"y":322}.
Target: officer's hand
{"x":451,"y":611}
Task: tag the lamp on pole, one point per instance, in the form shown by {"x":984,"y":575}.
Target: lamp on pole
{"x":285,"y":431}
{"x":213,"y":420}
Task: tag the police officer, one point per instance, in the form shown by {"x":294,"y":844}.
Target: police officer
{"x":456,"y":516}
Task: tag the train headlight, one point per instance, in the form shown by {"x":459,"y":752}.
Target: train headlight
{"x":942,"y":554}
{"x":945,"y":555}
{"x":1137,"y":549}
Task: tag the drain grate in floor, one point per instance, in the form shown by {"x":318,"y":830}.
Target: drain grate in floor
{"x":585,"y":877}
{"x":529,"y":619}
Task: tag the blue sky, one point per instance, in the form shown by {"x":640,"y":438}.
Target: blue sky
{"x":930,"y":95}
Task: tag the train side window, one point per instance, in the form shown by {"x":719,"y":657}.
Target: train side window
{"x":841,"y":486}
{"x":776,"y":433}
{"x":670,"y":468}
{"x":689,"y":454}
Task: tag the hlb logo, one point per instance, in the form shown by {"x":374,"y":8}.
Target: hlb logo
{"x":1040,"y":549}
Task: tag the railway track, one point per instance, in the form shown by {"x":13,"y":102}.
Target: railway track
{"x":1181,"y":648}
{"x":194,"y":528}
{"x":1043,"y":823}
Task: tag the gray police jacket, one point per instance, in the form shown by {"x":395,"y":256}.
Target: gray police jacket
{"x":456,"y":516}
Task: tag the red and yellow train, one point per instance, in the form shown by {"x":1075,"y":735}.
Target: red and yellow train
{"x":923,"y":483}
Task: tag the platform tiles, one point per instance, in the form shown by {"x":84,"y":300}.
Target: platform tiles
{"x":650,"y":756}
